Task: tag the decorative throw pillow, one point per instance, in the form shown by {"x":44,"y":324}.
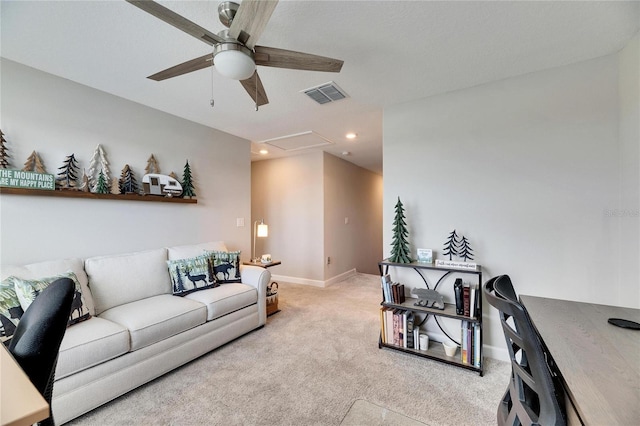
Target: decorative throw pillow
{"x":28,"y":290}
{"x":192,"y":274}
{"x":226,"y":266}
{"x":10,"y":309}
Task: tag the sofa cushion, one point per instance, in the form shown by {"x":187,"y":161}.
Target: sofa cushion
{"x":10,"y":309}
{"x":156,"y":318}
{"x":226,"y":266}
{"x":91,"y":343}
{"x":225,"y":299}
{"x":53,"y":267}
{"x":192,"y":274}
{"x":193,"y":250}
{"x":121,"y":279}
{"x":28,"y":290}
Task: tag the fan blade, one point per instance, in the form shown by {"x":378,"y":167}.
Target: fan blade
{"x":250,"y":20}
{"x":184,"y":68}
{"x":280,"y":58}
{"x":180,"y":22}
{"x":250,"y":86}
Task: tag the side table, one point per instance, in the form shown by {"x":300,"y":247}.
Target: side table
{"x":272,"y":288}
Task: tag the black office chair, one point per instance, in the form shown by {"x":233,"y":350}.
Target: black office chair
{"x":533,"y":397}
{"x":36,"y":342}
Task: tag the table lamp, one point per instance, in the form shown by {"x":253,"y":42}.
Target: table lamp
{"x":261,"y":230}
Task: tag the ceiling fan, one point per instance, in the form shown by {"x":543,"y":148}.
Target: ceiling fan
{"x":235,"y":54}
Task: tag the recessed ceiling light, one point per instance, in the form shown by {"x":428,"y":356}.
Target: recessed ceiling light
{"x":351,"y":135}
{"x":264,"y":152}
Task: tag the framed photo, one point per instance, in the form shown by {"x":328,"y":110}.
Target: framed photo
{"x":425,"y":255}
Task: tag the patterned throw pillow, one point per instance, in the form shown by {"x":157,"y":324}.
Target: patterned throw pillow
{"x":10,"y":309}
{"x":192,"y":274}
{"x":28,"y":290}
{"x":226,"y":266}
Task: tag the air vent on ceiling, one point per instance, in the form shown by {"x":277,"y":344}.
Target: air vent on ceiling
{"x":325,"y":93}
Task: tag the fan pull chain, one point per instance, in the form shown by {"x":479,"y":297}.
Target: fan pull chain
{"x":256,"y":76}
{"x":211,"y":102}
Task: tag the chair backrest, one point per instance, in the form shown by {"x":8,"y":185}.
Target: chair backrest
{"x":36,"y":342}
{"x":532,"y":398}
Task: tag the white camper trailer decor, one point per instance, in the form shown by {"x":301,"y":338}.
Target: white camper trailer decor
{"x":157,"y":184}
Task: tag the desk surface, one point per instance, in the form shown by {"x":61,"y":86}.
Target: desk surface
{"x":599,"y":363}
{"x":20,"y":401}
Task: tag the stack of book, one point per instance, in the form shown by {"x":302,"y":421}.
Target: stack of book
{"x":392,"y":292}
{"x":398,"y":328}
{"x":468,"y":303}
{"x":470,"y":339}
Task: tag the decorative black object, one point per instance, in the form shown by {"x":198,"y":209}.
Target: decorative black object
{"x":457,"y":288}
{"x":451,"y":245}
{"x":428,"y":298}
{"x":399,"y":244}
{"x":619,"y":322}
{"x":464,"y":249}
{"x":128,"y":183}
{"x":67,"y":177}
{"x":4,"y":155}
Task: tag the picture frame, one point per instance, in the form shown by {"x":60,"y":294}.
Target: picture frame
{"x":425,"y":255}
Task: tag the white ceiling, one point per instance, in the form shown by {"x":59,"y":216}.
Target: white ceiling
{"x":394,"y":52}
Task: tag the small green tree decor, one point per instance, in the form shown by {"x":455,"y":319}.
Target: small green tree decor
{"x":102,"y":186}
{"x":400,"y":245}
{"x":187,"y":183}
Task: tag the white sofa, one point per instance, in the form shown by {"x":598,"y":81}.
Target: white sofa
{"x":139,"y":330}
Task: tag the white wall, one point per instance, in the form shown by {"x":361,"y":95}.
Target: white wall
{"x":57,"y":117}
{"x":287,"y":193}
{"x":304,"y":199}
{"x":355,"y":194}
{"x":526,"y":168}
{"x":629,"y":207}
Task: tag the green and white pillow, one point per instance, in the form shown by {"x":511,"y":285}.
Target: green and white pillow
{"x":10,"y":309}
{"x":192,"y":274}
{"x":28,"y":290}
{"x":226,"y":266}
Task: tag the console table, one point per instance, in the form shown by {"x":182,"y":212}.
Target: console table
{"x":598,"y":363}
{"x":272,"y":294}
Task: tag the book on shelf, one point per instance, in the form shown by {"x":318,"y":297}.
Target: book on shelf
{"x":463,"y":342}
{"x":410,"y":337}
{"x":465,"y":299}
{"x":476,"y":348}
{"x":389,"y":325}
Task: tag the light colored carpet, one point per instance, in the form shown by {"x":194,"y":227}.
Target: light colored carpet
{"x":365,"y":413}
{"x":308,"y":366}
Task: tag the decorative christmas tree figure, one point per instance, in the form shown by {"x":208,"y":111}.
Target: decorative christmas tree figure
{"x":174,"y":175}
{"x":451,"y":246}
{"x":152,"y":165}
{"x":465,"y":252}
{"x":128,"y":184}
{"x":102,"y":186}
{"x":115,"y":186}
{"x":98,"y":163}
{"x":400,"y":245}
{"x":84,"y":186}
{"x":34,"y":164}
{"x":211,"y":271}
{"x":68,"y":173}
{"x":4,"y":155}
{"x":187,"y":184}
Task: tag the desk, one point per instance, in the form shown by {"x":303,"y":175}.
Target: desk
{"x":598,"y":363}
{"x":20,"y":401}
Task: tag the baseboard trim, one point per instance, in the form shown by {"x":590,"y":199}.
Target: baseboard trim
{"x":315,"y":283}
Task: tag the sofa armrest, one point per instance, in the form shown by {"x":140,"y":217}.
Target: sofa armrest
{"x":259,"y":278}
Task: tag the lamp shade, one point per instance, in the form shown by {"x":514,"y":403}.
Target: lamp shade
{"x":263,"y":230}
{"x":234,"y":64}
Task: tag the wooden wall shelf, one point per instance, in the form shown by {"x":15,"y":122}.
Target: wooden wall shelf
{"x":81,"y":194}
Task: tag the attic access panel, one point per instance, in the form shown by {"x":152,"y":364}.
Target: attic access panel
{"x":298,"y":141}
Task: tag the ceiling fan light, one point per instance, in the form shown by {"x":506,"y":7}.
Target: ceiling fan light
{"x":234,"y":64}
